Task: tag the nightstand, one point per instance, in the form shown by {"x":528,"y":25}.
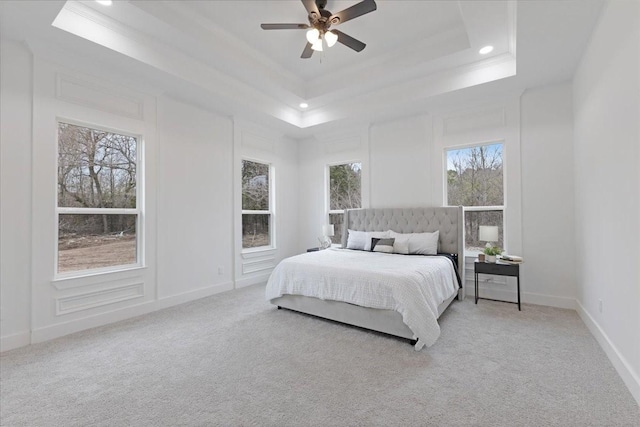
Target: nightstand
{"x":498,"y":269}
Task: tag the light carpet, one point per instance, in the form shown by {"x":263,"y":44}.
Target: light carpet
{"x":234,"y":360}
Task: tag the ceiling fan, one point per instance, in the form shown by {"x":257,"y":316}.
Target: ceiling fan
{"x":320,"y":20}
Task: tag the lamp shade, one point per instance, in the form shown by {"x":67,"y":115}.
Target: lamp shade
{"x":317,"y":45}
{"x":327,"y":230}
{"x":313,"y":35}
{"x":330,"y":38}
{"x":488,"y":233}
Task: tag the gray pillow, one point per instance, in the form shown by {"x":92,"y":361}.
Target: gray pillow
{"x":382,"y":245}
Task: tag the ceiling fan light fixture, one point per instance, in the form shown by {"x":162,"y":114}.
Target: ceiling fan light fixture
{"x":317,"y":45}
{"x":330,"y":38}
{"x":304,"y":105}
{"x":313,"y":35}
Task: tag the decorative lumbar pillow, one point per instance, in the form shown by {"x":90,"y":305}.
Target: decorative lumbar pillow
{"x":377,"y":234}
{"x":382,"y":245}
{"x":419,"y":243}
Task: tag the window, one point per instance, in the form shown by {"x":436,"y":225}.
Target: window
{"x":475,"y":180}
{"x":257,"y":208}
{"x":98,"y":195}
{"x":344,"y":193}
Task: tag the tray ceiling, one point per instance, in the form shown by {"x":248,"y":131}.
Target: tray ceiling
{"x":216,"y":51}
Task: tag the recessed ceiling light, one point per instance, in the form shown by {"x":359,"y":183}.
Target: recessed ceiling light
{"x":105,"y":2}
{"x":485,"y":50}
{"x":303,"y":105}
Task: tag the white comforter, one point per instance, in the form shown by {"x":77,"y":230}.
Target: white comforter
{"x":414,"y":286}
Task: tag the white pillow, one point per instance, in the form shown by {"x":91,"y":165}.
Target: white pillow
{"x":401,"y":247}
{"x":419,"y":243}
{"x":356,"y":240}
{"x":361,"y":240}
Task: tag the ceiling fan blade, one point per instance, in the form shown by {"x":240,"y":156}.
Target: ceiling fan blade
{"x":307,"y":52}
{"x":349,"y":41}
{"x":284,"y":26}
{"x":311,"y":7}
{"x":354,"y":11}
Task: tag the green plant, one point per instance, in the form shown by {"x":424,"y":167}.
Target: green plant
{"x":492,"y":250}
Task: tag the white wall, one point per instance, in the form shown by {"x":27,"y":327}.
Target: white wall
{"x":253,"y":142}
{"x":344,"y":146}
{"x":399,"y":175}
{"x":404,"y":160}
{"x":606,"y":91}
{"x":188,"y":202}
{"x":15,"y":194}
{"x":547,"y":191}
{"x":194,"y":201}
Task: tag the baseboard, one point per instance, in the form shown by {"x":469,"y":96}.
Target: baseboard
{"x":61,"y":329}
{"x":525,"y":297}
{"x":14,"y":341}
{"x":621,"y":365}
{"x":65,"y":328}
{"x":172,"y":300}
{"x":549,"y":300}
{"x":253,"y":280}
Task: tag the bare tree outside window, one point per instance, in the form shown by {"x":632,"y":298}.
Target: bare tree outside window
{"x":256,"y":211}
{"x":345,"y":183}
{"x":97,"y":198}
{"x":475,"y":180}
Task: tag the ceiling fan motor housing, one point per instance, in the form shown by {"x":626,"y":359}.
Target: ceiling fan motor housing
{"x":322,"y":22}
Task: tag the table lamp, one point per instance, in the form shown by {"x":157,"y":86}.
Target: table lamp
{"x":327,"y":233}
{"x":489,"y":234}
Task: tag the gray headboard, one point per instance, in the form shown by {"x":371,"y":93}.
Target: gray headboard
{"x":449,"y":220}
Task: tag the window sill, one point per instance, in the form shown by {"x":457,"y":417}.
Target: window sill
{"x":257,"y":252}
{"x":96,"y":276}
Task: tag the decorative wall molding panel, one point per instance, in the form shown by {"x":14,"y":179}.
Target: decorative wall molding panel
{"x":485,"y":119}
{"x":88,"y":300}
{"x":101,"y":97}
{"x":345,"y":144}
{"x":253,"y":140}
{"x":258,"y":264}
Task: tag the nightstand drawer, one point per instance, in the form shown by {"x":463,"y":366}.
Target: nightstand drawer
{"x":497,"y":269}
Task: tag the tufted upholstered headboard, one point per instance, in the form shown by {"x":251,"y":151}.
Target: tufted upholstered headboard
{"x":449,"y":220}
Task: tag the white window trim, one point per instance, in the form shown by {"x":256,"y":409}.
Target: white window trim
{"x":138,"y":211}
{"x":271,"y":212}
{"x":503,"y":208}
{"x":327,"y":197}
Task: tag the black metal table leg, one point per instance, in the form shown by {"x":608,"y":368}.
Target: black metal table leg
{"x":476,"y":287}
{"x":518,"y":280}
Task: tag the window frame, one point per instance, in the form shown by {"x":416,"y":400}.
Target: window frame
{"x":271,"y":212}
{"x":138,"y":210}
{"x":327,"y":198}
{"x":488,"y":208}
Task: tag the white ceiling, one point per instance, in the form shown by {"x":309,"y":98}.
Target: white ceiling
{"x":419,"y":54}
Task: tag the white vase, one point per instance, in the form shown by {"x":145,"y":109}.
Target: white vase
{"x":490,"y":258}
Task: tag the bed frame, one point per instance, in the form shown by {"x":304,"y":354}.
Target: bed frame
{"x":450,"y":222}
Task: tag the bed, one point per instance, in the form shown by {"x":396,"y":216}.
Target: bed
{"x":324,"y":283}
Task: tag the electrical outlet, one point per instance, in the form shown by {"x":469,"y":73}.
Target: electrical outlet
{"x":220,"y":271}
{"x":600,"y":305}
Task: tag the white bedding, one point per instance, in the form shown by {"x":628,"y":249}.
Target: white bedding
{"x":414,"y":286}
